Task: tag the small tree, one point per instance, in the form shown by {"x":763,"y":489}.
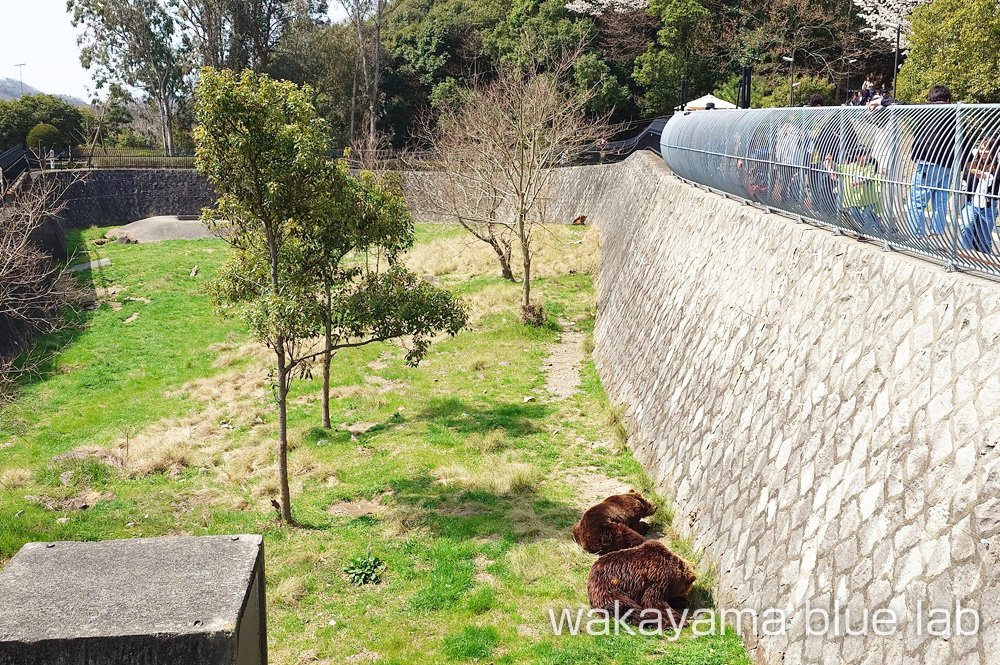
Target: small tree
{"x":495,"y":155}
{"x":299,"y":226}
{"x":367,"y":296}
{"x":262,"y":146}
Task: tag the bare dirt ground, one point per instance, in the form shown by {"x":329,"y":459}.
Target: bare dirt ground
{"x":563,"y":365}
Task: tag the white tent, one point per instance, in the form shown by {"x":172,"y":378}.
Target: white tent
{"x":702,"y":103}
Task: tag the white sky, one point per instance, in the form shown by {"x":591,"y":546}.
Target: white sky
{"x":39,"y":34}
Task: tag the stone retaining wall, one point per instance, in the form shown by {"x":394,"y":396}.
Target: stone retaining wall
{"x":113,"y":197}
{"x":826,"y":415}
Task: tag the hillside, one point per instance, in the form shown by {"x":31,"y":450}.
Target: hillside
{"x":11,"y":89}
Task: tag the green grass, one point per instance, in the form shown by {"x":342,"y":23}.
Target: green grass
{"x":473,"y":490}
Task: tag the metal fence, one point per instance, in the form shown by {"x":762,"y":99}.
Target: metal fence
{"x":114,"y":158}
{"x":923,"y":179}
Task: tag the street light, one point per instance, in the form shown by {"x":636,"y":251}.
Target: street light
{"x":791,"y":78}
{"x":849,"y":63}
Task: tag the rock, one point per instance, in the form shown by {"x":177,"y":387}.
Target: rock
{"x":90,"y":265}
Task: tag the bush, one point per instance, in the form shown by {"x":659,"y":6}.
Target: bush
{"x":47,"y":136}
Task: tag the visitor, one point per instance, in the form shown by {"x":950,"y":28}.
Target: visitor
{"x":789,"y":153}
{"x":982,"y":186}
{"x":861,"y":190}
{"x":933,"y":153}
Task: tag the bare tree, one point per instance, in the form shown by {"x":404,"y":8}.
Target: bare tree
{"x":495,"y":157}
{"x":34,"y":288}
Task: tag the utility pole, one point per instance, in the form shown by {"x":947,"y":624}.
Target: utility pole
{"x":20,"y":70}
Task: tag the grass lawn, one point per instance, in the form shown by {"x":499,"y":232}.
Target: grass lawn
{"x":157,"y":414}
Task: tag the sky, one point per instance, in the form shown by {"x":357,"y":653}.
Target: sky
{"x":51,"y":60}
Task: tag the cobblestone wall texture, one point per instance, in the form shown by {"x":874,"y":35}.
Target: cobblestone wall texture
{"x":826,"y":415}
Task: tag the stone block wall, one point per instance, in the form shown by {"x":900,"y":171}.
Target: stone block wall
{"x":826,"y":415}
{"x":113,"y":197}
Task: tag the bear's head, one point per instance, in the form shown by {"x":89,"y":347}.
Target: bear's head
{"x":643,"y":507}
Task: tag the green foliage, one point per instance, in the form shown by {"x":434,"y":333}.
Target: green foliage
{"x":472,"y":643}
{"x":807,"y":86}
{"x":19,"y":116}
{"x":953,"y":43}
{"x":46,"y":136}
{"x":595,"y":81}
{"x":678,"y":53}
{"x":365,"y":569}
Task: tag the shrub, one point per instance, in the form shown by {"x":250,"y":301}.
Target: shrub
{"x":47,"y":136}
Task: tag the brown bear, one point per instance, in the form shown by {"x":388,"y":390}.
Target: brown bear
{"x":614,"y":524}
{"x":647,"y":577}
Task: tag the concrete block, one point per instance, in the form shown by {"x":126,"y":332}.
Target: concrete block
{"x":154,"y":601}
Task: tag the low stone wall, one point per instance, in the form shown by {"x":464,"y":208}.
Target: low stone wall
{"x":826,"y":415}
{"x":113,"y":197}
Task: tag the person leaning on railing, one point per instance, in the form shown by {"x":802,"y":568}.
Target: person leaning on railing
{"x":934,"y":153}
{"x":981,"y":185}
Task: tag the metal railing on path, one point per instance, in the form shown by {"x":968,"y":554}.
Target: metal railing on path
{"x":924,"y":179}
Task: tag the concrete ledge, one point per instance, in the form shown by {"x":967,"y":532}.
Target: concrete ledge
{"x":154,"y":601}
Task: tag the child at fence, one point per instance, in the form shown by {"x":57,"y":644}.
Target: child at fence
{"x":981,"y":185}
{"x":862,"y":192}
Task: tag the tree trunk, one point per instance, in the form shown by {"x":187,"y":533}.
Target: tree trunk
{"x":286,"y":497}
{"x":504,"y":258}
{"x":525,"y":262}
{"x":327,"y":357}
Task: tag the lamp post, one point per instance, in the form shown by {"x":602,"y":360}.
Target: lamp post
{"x":791,"y":78}
{"x":20,"y":70}
{"x":895,"y":67}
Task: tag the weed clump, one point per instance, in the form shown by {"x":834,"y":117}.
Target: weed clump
{"x":365,"y":569}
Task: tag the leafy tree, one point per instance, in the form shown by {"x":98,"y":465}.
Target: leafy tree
{"x":679,"y":53}
{"x":18,"y":116}
{"x":46,"y":136}
{"x":134,"y":43}
{"x":324,"y":57}
{"x":261,"y":144}
{"x":954,"y":42}
{"x":308,"y":241}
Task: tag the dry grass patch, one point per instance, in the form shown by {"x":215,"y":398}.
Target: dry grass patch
{"x":489,"y":442}
{"x":558,"y":249}
{"x":501,"y":477}
{"x":14,"y":478}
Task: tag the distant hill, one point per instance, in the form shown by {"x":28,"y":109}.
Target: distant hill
{"x":11,"y":89}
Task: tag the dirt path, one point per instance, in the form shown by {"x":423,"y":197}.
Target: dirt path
{"x":563,"y":365}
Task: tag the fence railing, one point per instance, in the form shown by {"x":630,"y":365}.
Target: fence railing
{"x":114,"y":158}
{"x":923,"y":179}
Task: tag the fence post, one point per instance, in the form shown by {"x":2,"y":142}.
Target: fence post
{"x":838,"y":215}
{"x":956,"y":186}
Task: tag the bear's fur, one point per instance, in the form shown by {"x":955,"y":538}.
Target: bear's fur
{"x":647,"y":577}
{"x":614,"y":524}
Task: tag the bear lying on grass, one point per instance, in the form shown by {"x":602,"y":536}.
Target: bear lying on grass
{"x":614,"y":524}
{"x":647,"y":577}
